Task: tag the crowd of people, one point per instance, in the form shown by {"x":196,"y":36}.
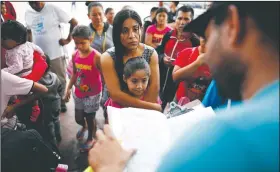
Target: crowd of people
{"x":228,"y":54}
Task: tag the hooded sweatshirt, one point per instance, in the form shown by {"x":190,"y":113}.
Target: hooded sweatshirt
{"x":104,"y":41}
{"x":53,"y":98}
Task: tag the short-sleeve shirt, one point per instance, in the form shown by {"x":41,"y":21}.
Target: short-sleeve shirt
{"x":12,"y":85}
{"x":196,"y":88}
{"x":45,"y":28}
{"x":157,"y":35}
{"x":244,"y":139}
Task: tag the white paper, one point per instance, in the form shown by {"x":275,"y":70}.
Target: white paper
{"x":145,"y":130}
{"x":151,"y":133}
{"x":180,"y":124}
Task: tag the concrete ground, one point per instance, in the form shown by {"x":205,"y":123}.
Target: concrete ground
{"x":69,"y":147}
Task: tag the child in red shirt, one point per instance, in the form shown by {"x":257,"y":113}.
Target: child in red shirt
{"x":193,"y":73}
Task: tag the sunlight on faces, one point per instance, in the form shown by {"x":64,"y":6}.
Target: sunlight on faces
{"x":161,"y":18}
{"x":82,"y":44}
{"x":182,"y":19}
{"x":137,"y":83}
{"x":96,"y":15}
{"x":130,"y":35}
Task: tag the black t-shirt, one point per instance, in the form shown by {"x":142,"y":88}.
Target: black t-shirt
{"x":171,"y":17}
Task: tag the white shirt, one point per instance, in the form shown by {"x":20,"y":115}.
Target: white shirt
{"x":45,"y":28}
{"x":20,"y":58}
{"x":12,"y":85}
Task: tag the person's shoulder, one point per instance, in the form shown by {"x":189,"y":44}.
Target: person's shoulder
{"x":151,"y":28}
{"x":111,"y":51}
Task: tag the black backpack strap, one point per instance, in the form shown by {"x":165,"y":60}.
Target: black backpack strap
{"x":160,"y":48}
{"x":194,"y":40}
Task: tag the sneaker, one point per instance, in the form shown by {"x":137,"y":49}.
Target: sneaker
{"x":35,"y":113}
{"x":87,"y":145}
{"x":80,"y":134}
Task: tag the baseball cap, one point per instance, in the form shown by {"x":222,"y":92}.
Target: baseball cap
{"x":253,"y":9}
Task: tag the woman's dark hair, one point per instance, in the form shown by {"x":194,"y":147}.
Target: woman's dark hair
{"x":14,"y":30}
{"x":160,"y":10}
{"x":94,"y":4}
{"x":119,"y":19}
{"x":134,"y":64}
{"x":81,"y":31}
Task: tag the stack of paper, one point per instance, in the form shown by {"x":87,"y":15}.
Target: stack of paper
{"x":151,"y":133}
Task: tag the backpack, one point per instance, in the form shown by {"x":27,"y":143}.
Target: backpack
{"x":27,"y":151}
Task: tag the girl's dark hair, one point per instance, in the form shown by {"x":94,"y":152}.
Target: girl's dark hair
{"x":119,"y":19}
{"x":14,"y":30}
{"x":134,"y":64}
{"x":94,"y":4}
{"x":81,"y":31}
{"x":160,"y":10}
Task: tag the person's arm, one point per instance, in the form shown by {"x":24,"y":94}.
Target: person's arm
{"x":113,"y":86}
{"x":71,"y":82}
{"x":64,"y":17}
{"x":38,"y":49}
{"x":186,"y":72}
{"x":108,"y":155}
{"x":10,"y":110}
{"x":14,"y":63}
{"x":97,"y":62}
{"x":39,"y":67}
{"x":73,"y":22}
{"x":153,"y":89}
{"x":149,"y":40}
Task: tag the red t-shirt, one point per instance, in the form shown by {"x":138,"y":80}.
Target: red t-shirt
{"x":173,"y":46}
{"x":156,"y":34}
{"x":196,"y":87}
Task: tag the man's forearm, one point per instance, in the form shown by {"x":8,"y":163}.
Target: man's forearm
{"x":73,"y":22}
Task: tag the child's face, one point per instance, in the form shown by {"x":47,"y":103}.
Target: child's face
{"x":82,"y":44}
{"x":8,"y":43}
{"x":137,"y":82}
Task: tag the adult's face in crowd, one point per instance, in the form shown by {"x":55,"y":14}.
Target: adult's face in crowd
{"x":130,"y":34}
{"x":224,"y":55}
{"x":182,"y":19}
{"x":110,"y":15}
{"x":37,"y":5}
{"x":96,"y":15}
{"x":161,"y":18}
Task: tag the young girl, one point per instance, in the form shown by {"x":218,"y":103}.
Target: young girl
{"x":155,"y":32}
{"x":136,"y":75}
{"x":87,"y":80}
{"x":19,"y":54}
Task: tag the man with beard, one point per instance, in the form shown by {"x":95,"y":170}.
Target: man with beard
{"x":243,"y":56}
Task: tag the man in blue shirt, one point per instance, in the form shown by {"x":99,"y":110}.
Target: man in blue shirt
{"x":243,"y":56}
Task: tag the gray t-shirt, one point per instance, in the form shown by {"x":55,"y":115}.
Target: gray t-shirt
{"x":104,"y":41}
